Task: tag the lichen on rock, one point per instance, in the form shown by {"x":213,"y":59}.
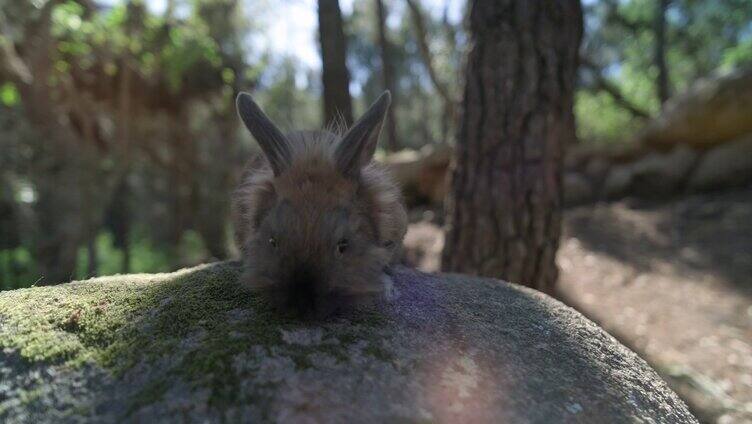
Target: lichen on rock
{"x":194,"y":346}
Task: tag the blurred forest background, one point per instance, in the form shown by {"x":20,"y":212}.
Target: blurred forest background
{"x":120,"y":144}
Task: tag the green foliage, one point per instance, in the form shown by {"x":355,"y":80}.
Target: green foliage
{"x":287,"y":97}
{"x":9,"y":94}
{"x":738,"y":56}
{"x":188,"y":47}
{"x":174,"y":131}
{"x":17,"y":268}
{"x":169,"y":51}
{"x":418,"y":108}
{"x":132,"y":92}
{"x":600,"y":120}
{"x":146,"y":257}
{"x":704,"y":37}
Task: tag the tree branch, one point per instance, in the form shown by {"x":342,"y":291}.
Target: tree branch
{"x":425,"y":53}
{"x":11,"y":64}
{"x":603,"y":84}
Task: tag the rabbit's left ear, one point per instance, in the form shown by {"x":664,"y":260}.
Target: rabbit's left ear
{"x":273,"y":143}
{"x":357,"y":147}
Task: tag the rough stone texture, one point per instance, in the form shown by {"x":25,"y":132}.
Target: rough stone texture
{"x":610,"y":174}
{"x":726,"y":165}
{"x":577,"y":189}
{"x":597,"y":168}
{"x":658,"y":174}
{"x":617,"y":182}
{"x":190,"y":346}
{"x":421,"y":174}
{"x":713,"y":111}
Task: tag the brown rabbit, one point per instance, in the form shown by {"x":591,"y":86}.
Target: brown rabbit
{"x":317,"y":221}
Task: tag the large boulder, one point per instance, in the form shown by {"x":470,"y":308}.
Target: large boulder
{"x":618,"y":182}
{"x":727,"y":165}
{"x":192,"y":346}
{"x":577,"y":189}
{"x":422,"y":174}
{"x":713,"y":111}
{"x":657,"y":174}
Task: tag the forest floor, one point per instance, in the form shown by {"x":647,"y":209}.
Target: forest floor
{"x":672,"y":280}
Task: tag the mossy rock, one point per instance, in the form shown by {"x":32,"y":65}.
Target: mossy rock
{"x":193,"y":346}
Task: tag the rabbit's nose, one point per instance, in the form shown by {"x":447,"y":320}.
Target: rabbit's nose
{"x":304,"y":288}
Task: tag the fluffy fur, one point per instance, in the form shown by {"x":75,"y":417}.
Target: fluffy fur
{"x":313,"y":237}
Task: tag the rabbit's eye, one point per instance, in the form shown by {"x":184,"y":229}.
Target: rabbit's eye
{"x":342,"y":246}
{"x":273,"y":242}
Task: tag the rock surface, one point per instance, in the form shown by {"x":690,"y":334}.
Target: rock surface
{"x":422,"y":174}
{"x":577,"y":189}
{"x":192,"y":346}
{"x":712,"y":112}
{"x":618,"y":181}
{"x":726,"y":165}
{"x":658,"y":174}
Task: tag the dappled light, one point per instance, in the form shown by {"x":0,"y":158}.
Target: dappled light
{"x":376,"y":210}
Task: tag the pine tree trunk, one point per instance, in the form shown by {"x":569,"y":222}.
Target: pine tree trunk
{"x":663,"y":84}
{"x":6,"y":274}
{"x":387,"y":72}
{"x":336,"y":78}
{"x":92,"y":255}
{"x":118,"y":221}
{"x":504,"y":206}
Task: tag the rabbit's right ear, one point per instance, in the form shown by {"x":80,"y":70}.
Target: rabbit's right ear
{"x":273,"y":143}
{"x":358,"y":145}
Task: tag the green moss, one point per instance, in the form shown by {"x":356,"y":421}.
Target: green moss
{"x":184,"y":318}
{"x":153,"y":391}
{"x":106,"y":319}
{"x":29,"y":396}
{"x":118,"y":321}
{"x":378,"y":352}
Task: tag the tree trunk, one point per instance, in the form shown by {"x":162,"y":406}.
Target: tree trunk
{"x":663,"y":83}
{"x":387,"y":72}
{"x":504,"y":206}
{"x":421,"y":36}
{"x":336,"y":78}
{"x":214,"y":208}
{"x":6,"y":275}
{"x":57,"y":245}
{"x":118,"y":221}
{"x":92,"y":255}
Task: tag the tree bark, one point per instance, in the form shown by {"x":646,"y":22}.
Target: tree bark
{"x":6,"y":276}
{"x":336,"y":78}
{"x":387,"y":72}
{"x":118,"y":221}
{"x":55,"y":171}
{"x":663,"y":83}
{"x":504,"y":206}
{"x":92,"y":255}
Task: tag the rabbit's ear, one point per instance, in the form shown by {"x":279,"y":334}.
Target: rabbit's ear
{"x":357,"y":147}
{"x":273,"y":143}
